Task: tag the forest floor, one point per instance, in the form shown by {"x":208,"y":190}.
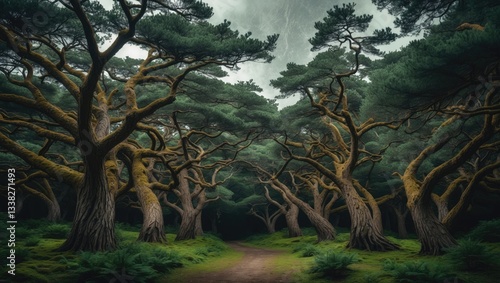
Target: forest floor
{"x":255,"y":265}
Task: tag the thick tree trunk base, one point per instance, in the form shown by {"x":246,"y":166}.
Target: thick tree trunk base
{"x":366,"y":233}
{"x":153,"y":234}
{"x":434,"y":237}
{"x":93,"y":225}
{"x":187,"y":229}
{"x":371,"y":240}
{"x":292,"y":222}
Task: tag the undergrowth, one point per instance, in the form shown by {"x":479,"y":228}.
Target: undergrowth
{"x":472,"y":255}
{"x":332,"y":264}
{"x":137,"y":263}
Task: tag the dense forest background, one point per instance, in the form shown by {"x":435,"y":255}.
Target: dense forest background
{"x":379,"y":143}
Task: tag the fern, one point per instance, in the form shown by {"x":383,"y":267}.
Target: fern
{"x":471,"y":255}
{"x":333,"y":265}
{"x":417,"y":272}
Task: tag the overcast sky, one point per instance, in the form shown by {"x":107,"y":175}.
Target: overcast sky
{"x":293,"y":20}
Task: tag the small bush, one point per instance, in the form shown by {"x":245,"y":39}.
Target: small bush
{"x":486,"y":231}
{"x":471,"y":255}
{"x":23,"y":233}
{"x":417,"y":272}
{"x":333,"y":265}
{"x":309,"y":250}
{"x":55,"y":231}
{"x":132,"y":263}
{"x":161,"y":260}
{"x":22,"y":254}
{"x":32,"y":241}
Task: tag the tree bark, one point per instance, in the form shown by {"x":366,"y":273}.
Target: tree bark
{"x":324,"y":229}
{"x":401,"y":222}
{"x":198,"y":229}
{"x":433,"y":235}
{"x":152,"y":229}
{"x":292,"y":221}
{"x":54,"y":213}
{"x":93,"y":224}
{"x":365,"y":233}
{"x":187,"y":229}
{"x":442,"y":206}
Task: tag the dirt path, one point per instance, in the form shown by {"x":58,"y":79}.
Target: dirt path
{"x":255,"y":266}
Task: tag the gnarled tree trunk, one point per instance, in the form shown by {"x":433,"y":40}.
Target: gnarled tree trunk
{"x":323,"y":227}
{"x":152,"y":229}
{"x":292,"y":221}
{"x":433,"y":235}
{"x":365,"y":232}
{"x":198,"y":228}
{"x":93,"y":224}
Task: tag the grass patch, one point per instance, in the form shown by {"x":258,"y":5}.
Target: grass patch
{"x":333,"y":265}
{"x":141,"y":261}
{"x":370,"y":268}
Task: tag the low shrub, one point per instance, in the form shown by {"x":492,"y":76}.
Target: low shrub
{"x":23,"y":232}
{"x":132,"y":263}
{"x":333,"y":265}
{"x":417,"y":272}
{"x":471,"y":255}
{"x":309,"y":250}
{"x":22,"y":254}
{"x":32,"y":241}
{"x":55,"y":231}
{"x":486,"y":231}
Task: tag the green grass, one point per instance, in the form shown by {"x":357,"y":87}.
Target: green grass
{"x":370,"y":267}
{"x":42,"y":263}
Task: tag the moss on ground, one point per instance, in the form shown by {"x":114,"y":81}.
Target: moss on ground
{"x":44,"y":264}
{"x":370,"y":268}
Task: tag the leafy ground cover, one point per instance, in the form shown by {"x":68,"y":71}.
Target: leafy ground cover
{"x":475,"y":260}
{"x":38,"y":261}
{"x":405,"y":265}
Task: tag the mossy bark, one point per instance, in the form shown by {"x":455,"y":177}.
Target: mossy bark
{"x":152,"y":229}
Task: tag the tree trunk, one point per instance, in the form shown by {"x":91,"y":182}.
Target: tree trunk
{"x":187,"y":229}
{"x":198,"y":229}
{"x":188,"y":224}
{"x":213,"y":222}
{"x":271,"y":228}
{"x":401,"y":222}
{"x":93,"y":224}
{"x":292,"y":221}
{"x":434,"y":237}
{"x":442,"y":206}
{"x":365,"y":233}
{"x":152,"y":224}
{"x":324,"y":229}
{"x":54,"y":213}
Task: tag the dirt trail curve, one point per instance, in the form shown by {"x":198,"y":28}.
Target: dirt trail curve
{"x":255,"y":266}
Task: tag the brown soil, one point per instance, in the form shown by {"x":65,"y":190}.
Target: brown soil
{"x":255,"y":266}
